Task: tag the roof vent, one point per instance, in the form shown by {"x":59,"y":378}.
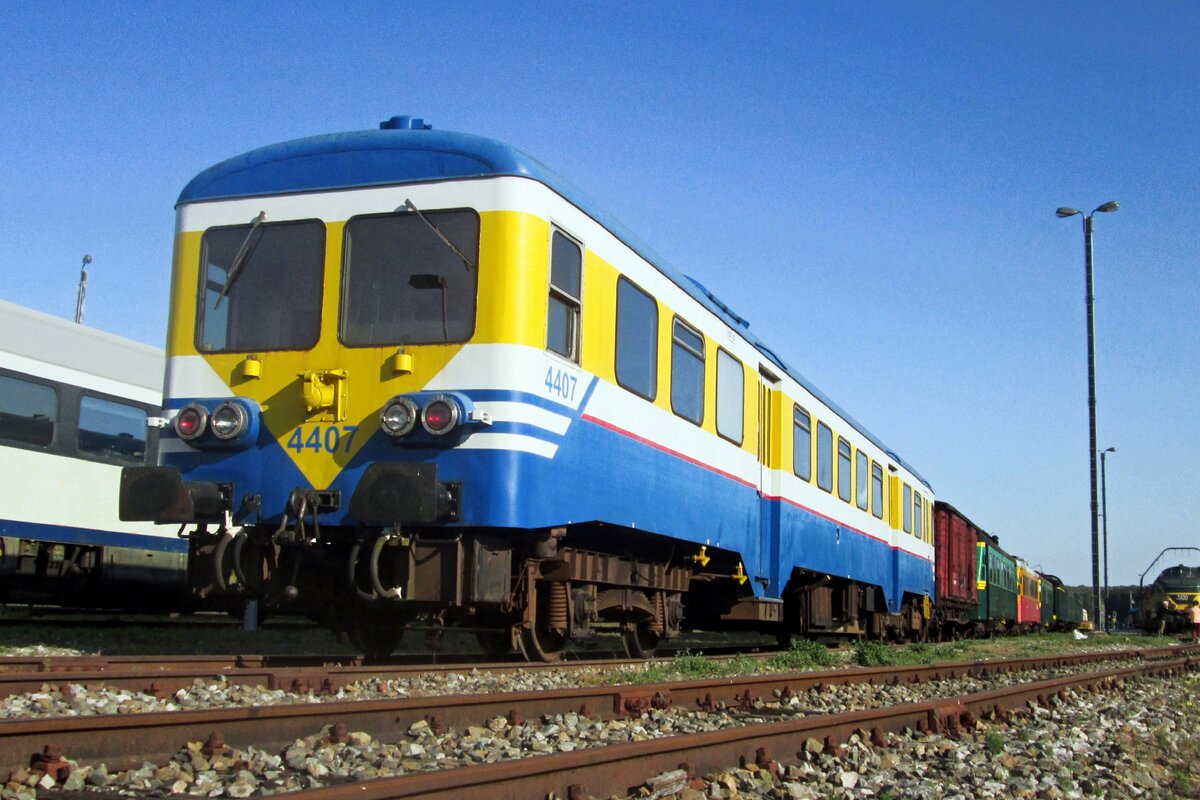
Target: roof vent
{"x":404,"y":123}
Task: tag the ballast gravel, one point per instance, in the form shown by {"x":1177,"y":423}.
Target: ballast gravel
{"x":1083,"y":745}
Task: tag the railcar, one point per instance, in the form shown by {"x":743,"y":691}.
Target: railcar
{"x":1029,"y":609}
{"x":416,"y":375}
{"x":1178,"y":587}
{"x":955,"y":538}
{"x":996,"y":585}
{"x":1068,"y":610}
{"x":1045,"y":591}
{"x":74,"y":408}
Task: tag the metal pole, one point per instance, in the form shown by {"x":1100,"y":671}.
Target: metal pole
{"x":82,"y":290}
{"x":1104,"y":513}
{"x":1097,"y":601}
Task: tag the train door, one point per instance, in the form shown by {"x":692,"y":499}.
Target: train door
{"x":766,"y":566}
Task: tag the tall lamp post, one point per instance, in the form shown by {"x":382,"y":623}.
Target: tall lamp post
{"x":1111,"y":205}
{"x":1104,"y":513}
{"x":82,"y":290}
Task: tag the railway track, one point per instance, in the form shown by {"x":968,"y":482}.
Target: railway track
{"x":122,"y":741}
{"x":161,"y":675}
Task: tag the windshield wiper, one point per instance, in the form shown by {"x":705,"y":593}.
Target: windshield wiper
{"x":466,"y":261}
{"x":242,"y":252}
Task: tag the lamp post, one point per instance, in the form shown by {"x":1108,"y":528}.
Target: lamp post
{"x":82,"y":290}
{"x":1104,"y":514}
{"x":1063,"y":213}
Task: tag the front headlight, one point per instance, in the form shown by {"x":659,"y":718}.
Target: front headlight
{"x":399,"y":416}
{"x":229,"y":421}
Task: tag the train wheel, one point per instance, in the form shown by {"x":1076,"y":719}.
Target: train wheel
{"x":639,"y":640}
{"x":539,"y":643}
{"x":545,"y":635}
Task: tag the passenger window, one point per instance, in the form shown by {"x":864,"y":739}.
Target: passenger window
{"x":731,"y":397}
{"x":637,"y":340}
{"x":27,"y":411}
{"x":687,"y":372}
{"x":802,"y":444}
{"x":908,"y":509}
{"x":824,"y":457}
{"x":563,"y":309}
{"x":876,"y":490}
{"x":843,"y":469}
{"x":112,"y":432}
{"x":861,"y":479}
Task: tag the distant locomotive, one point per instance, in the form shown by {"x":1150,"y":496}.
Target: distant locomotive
{"x":74,"y":408}
{"x":1169,"y":597}
{"x":416,"y":374}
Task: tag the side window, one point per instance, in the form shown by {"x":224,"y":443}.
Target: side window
{"x":687,"y":372}
{"x":908,"y":509}
{"x":861,"y":479}
{"x":824,"y":457}
{"x":566,"y":292}
{"x":637,"y":340}
{"x":802,"y":444}
{"x":112,"y":432}
{"x":876,"y":490}
{"x":28,"y":411}
{"x":731,"y":397}
{"x":918,"y":517}
{"x":843,"y":469}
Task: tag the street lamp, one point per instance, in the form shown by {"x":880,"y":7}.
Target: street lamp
{"x":1104,"y":513}
{"x":82,"y":290}
{"x":1063,"y":213}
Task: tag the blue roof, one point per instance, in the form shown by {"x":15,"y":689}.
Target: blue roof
{"x":406,"y":150}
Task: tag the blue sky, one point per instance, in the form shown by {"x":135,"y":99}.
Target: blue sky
{"x":872,"y":185}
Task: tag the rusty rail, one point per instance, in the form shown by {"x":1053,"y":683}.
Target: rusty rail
{"x":620,"y":769}
{"x":126,"y":740}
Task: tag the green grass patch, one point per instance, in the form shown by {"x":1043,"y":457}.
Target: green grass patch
{"x":801,"y":654}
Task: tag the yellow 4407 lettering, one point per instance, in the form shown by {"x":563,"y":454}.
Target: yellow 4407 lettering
{"x":323,"y":438}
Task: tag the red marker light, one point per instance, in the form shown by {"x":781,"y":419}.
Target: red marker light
{"x":190,"y":422}
{"x":440,"y":416}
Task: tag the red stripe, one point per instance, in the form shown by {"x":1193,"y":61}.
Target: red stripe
{"x":722,"y":473}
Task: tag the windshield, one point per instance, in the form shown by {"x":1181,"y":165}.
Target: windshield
{"x":403,"y":283}
{"x":260,"y":287}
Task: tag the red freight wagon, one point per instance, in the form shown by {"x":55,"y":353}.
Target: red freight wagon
{"x":954,"y":554}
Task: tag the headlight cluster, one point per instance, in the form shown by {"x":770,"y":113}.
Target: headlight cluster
{"x":440,"y":416}
{"x":228,"y":422}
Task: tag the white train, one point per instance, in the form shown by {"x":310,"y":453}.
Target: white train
{"x":74,"y":407}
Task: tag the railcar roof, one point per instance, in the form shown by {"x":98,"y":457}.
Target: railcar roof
{"x":54,"y":340}
{"x":405,"y":150}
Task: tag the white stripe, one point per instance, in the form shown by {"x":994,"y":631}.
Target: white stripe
{"x":96,"y":383}
{"x":509,"y":441}
{"x":526,"y":414}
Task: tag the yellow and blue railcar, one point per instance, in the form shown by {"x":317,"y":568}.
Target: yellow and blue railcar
{"x":414,"y":373}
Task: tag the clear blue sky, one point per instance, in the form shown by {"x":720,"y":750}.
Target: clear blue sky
{"x":873,"y":185}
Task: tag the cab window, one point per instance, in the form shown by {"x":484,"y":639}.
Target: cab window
{"x":410,"y":278}
{"x":260,"y":287}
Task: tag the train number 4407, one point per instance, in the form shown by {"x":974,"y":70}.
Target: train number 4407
{"x":561,"y":383}
{"x":327,"y":438}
